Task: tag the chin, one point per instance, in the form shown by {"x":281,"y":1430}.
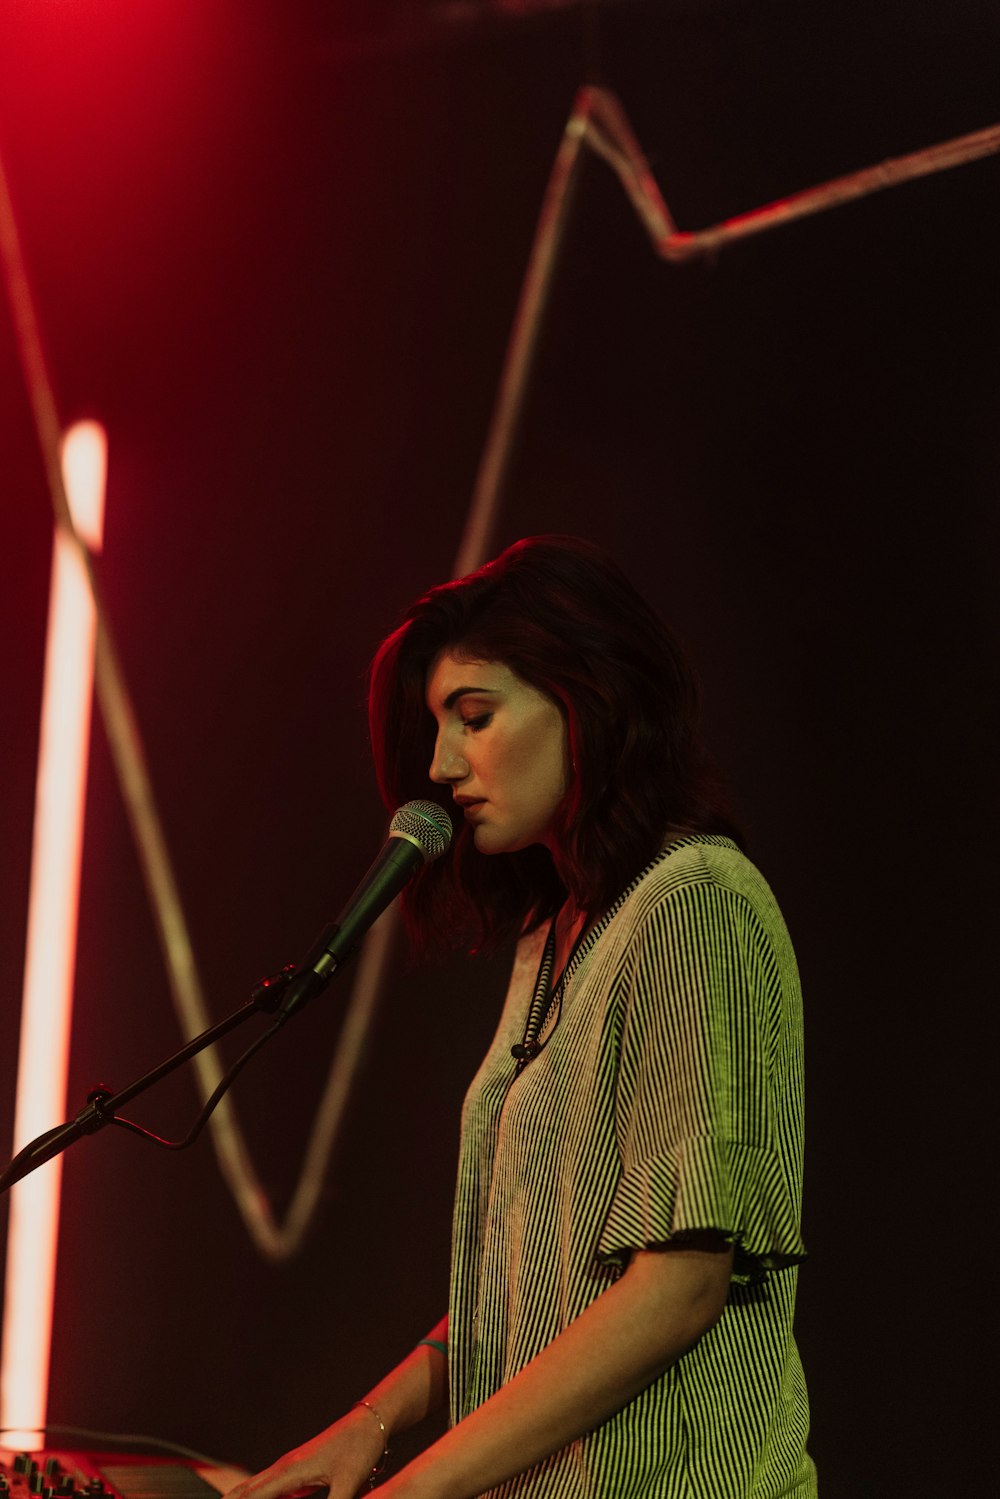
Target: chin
{"x":492,"y":840}
{"x":488,"y":841}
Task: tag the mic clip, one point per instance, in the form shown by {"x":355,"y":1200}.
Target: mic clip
{"x":269,"y":992}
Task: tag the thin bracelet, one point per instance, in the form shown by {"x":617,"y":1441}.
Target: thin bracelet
{"x":380,"y":1465}
{"x":434,"y":1343}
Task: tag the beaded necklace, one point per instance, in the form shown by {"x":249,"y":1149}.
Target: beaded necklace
{"x":537,"y":1028}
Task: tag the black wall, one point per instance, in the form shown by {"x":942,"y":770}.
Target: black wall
{"x":281,"y":266}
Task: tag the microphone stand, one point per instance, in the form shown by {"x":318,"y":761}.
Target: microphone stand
{"x":420,"y":831}
{"x":102,"y":1104}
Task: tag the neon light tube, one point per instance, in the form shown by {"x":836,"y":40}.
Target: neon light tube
{"x":50,"y":958}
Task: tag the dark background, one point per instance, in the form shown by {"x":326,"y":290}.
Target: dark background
{"x":276,"y":249}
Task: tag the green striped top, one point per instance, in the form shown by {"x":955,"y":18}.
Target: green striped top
{"x":667,"y":1097}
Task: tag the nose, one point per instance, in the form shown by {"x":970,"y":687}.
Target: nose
{"x":448,"y":766}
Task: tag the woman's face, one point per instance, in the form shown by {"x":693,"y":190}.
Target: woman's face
{"x":502,"y":748}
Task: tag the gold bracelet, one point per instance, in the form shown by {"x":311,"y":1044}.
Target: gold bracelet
{"x":380,"y":1465}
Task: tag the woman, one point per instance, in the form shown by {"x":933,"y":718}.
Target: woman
{"x":626,"y":1220}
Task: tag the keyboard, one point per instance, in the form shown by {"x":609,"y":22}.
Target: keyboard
{"x":107,"y":1475}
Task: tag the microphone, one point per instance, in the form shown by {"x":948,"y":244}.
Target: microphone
{"x":418,"y":833}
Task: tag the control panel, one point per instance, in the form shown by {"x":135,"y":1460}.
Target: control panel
{"x":103,"y":1475}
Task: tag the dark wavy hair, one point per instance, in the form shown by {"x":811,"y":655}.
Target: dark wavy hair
{"x":562,"y":615}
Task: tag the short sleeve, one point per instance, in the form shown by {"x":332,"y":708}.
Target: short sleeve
{"x":708,"y":1103}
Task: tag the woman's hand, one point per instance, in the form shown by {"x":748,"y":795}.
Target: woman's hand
{"x":668,"y":1297}
{"x":340,"y":1459}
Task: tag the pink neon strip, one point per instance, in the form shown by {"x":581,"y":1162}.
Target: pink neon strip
{"x":47,"y":1001}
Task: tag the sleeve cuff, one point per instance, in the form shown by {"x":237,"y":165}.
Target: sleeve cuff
{"x":707,"y":1183}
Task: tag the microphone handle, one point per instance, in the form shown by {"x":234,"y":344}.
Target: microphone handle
{"x":398,"y":861}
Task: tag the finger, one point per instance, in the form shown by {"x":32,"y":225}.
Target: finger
{"x":281,"y":1481}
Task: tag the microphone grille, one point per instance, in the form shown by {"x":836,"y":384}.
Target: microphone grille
{"x":427,"y":824}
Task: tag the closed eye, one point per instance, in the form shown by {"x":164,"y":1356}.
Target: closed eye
{"x":479,"y":722}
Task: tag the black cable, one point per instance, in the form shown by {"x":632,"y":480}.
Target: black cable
{"x":209,"y":1107}
{"x":132,"y":1440}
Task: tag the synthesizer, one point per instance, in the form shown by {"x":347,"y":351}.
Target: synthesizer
{"x":62,"y":1474}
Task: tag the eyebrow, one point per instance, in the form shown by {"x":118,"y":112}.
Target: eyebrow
{"x":453,"y":697}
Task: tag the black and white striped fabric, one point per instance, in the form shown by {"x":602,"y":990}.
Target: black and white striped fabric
{"x":667,"y":1097}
